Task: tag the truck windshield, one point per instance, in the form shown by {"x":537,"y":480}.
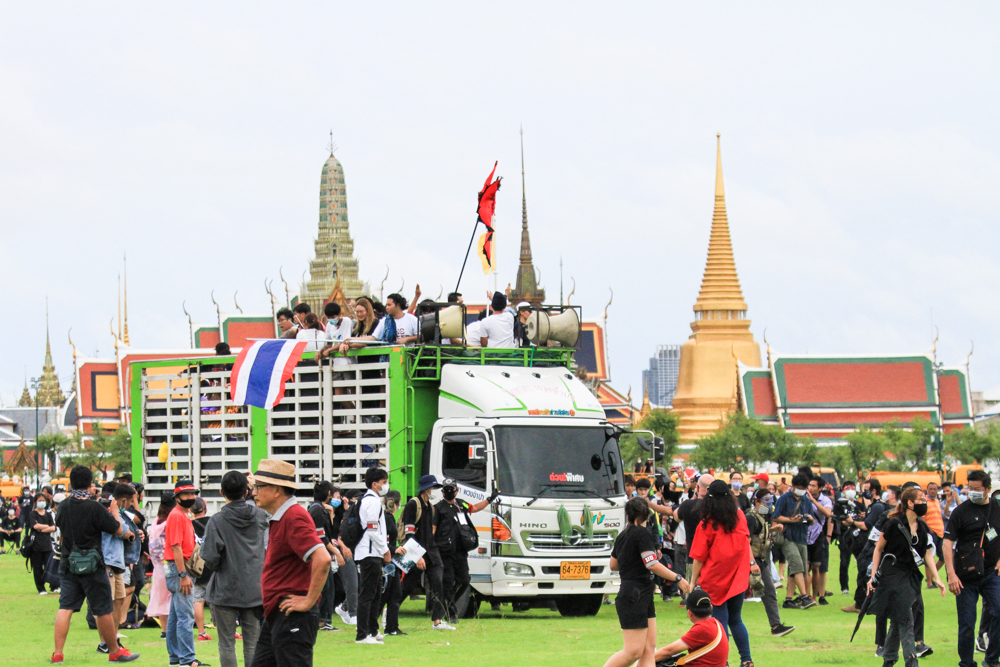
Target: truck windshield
{"x":557,"y":462}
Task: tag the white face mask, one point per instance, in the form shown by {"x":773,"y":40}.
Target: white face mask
{"x":885,"y":496}
{"x":962,"y":497}
{"x":800,"y":492}
{"x":384,"y":490}
{"x":850,"y":494}
{"x":41,"y":505}
{"x":737,"y":485}
{"x":978,"y":497}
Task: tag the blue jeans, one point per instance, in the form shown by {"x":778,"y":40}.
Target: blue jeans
{"x":729,"y":613}
{"x":966,"y":602}
{"x":180,"y":623}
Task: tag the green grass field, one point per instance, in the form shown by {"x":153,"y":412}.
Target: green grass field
{"x":503,"y":639}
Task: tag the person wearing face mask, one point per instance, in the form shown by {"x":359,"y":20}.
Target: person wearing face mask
{"x":905,"y":536}
{"x":178,"y":547}
{"x":873,"y":513}
{"x":761,"y":536}
{"x":371,"y":554}
{"x":846,"y":510}
{"x":322,"y":515}
{"x":418,"y":524}
{"x":972,"y":561}
{"x":10,"y":530}
{"x":736,"y":483}
{"x":338,"y":330}
{"x":796,"y":512}
{"x":40,"y":526}
{"x":935,"y":521}
{"x":449,"y":515}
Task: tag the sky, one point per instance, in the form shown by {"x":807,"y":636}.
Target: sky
{"x":859,"y":142}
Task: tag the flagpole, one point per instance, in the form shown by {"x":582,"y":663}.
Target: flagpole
{"x":467,"y":251}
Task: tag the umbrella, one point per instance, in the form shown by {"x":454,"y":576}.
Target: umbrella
{"x":868,"y":599}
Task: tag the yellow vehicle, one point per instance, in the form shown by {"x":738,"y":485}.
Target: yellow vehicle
{"x":11,"y":488}
{"x":921,"y":477}
{"x":960,"y":474}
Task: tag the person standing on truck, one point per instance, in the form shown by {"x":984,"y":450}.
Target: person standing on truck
{"x":521,"y":325}
{"x":398,"y":326}
{"x":452,"y":513}
{"x":371,"y":553}
{"x":634,"y":557}
{"x":418,"y":525}
{"x":498,"y":329}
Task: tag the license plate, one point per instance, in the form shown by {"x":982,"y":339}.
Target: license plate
{"x":574,"y":569}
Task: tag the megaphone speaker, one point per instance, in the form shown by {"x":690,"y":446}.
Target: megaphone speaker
{"x":450,"y":321}
{"x":564,"y":328}
{"x":537,"y":327}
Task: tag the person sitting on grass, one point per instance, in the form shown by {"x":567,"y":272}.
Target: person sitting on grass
{"x":706,"y":642}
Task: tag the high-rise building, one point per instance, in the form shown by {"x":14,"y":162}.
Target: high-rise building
{"x":706,"y":383}
{"x":333,"y":274}
{"x":660,"y":380}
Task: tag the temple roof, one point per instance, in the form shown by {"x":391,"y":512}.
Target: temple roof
{"x":720,"y":286}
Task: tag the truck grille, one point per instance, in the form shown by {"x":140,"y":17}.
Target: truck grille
{"x":578,"y":542}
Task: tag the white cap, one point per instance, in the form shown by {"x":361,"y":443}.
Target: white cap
{"x":524,"y":305}
{"x":59,"y":497}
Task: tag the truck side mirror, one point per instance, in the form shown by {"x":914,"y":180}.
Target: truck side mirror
{"x":477,"y":453}
{"x":612,"y":463}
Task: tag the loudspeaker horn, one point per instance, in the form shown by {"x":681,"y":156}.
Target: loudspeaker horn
{"x":452,"y":322}
{"x":565,"y":328}
{"x":537,"y":327}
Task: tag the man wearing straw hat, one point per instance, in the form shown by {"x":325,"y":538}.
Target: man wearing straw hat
{"x":295,"y":571}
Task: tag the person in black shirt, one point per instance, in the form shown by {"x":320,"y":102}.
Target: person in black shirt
{"x":10,"y":529}
{"x":418,"y":525}
{"x":973,"y":529}
{"x":392,"y":591}
{"x":449,"y":514}
{"x":905,"y":537}
{"x":689,"y":513}
{"x":81,"y":522}
{"x":40,"y":525}
{"x":634,"y":558}
{"x":322,"y":515}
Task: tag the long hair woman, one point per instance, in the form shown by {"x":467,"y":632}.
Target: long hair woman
{"x":312,"y":331}
{"x":634,"y":557}
{"x":905,"y":536}
{"x":159,"y":596}
{"x":364,"y":322}
{"x":722,"y":564}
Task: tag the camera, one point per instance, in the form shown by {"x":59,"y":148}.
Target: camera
{"x":105,"y":503}
{"x":867,"y":495}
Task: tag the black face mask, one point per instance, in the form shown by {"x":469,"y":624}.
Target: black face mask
{"x":920,"y":509}
{"x":449,"y":493}
{"x":186,"y":504}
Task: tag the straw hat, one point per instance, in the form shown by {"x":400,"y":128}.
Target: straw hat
{"x":276,"y":473}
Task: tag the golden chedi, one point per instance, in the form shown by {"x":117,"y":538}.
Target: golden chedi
{"x":706,"y":385}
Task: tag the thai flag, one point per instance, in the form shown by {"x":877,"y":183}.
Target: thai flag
{"x":261,"y":370}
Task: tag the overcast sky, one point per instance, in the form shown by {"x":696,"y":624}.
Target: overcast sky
{"x":860,"y":145}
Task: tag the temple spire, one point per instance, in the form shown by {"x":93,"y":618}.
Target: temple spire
{"x":125,"y":269}
{"x":720,"y":286}
{"x":49,"y":393}
{"x":526,"y":288}
{"x":525,"y":240}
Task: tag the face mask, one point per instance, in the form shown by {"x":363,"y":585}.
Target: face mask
{"x":800,"y":492}
{"x":885,"y":496}
{"x":335,"y":503}
{"x":635,"y":493}
{"x":335,"y":322}
{"x":920,"y":509}
{"x":977,"y":497}
{"x":737,"y":485}
{"x":186,"y":504}
{"x":962,"y":497}
{"x":384,"y":490}
{"x":850,"y":494}
{"x":449,"y":493}
{"x":41,"y":505}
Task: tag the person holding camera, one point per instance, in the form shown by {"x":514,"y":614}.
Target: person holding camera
{"x":450,"y":516}
{"x":795,"y":510}
{"x":845,"y":512}
{"x":114,"y":549}
{"x":874,"y":509}
{"x":82,"y":576}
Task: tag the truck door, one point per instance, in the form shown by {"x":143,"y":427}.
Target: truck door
{"x":463,"y":456}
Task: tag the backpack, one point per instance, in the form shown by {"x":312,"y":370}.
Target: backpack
{"x":351,"y":528}
{"x":760,"y":543}
{"x":401,"y":528}
{"x":468,"y":536}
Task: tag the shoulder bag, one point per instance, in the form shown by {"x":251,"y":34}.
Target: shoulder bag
{"x":970,"y":561}
{"x":468,"y":536}
{"x":82,"y":562}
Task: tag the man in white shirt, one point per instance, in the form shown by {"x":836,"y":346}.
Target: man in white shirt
{"x":498,"y":329}
{"x":406,"y":324}
{"x":473,"y":332}
{"x":338,"y":329}
{"x":371,"y":554}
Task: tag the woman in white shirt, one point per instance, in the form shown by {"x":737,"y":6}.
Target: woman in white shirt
{"x":312,"y":332}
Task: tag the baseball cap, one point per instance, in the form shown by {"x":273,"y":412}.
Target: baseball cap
{"x":698,"y":601}
{"x":524,"y":305}
{"x":762,"y":477}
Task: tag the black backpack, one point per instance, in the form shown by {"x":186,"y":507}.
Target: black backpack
{"x":351,"y":528}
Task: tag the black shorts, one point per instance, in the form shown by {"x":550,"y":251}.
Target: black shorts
{"x":634,"y":605}
{"x":94,"y":588}
{"x":819,"y":554}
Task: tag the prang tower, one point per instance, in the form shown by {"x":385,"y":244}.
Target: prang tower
{"x":706,"y":384}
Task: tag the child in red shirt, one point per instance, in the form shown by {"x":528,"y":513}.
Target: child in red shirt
{"x":706,"y":642}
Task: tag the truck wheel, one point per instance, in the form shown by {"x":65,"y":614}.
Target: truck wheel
{"x":579,"y":605}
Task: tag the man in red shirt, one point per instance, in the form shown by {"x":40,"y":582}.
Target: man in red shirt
{"x":706,"y":642}
{"x":295,"y":571}
{"x":178,"y":547}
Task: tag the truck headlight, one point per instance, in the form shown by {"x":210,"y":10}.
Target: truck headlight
{"x":518,"y":570}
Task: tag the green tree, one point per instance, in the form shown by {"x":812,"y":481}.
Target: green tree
{"x":52,"y":445}
{"x":865,"y":449}
{"x":745,"y":444}
{"x":972,"y":446}
{"x":661,"y":422}
{"x":106,"y":450}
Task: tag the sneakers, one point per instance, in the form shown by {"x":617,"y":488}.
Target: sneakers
{"x":379,"y":637}
{"x":923,"y":649}
{"x":443,"y":626}
{"x":780,"y":584}
{"x":346,"y":617}
{"x":326,"y":627}
{"x":982,"y":642}
{"x":846,"y":591}
{"x":823,"y":601}
{"x":370,"y":639}
{"x":853,"y":609}
{"x":43,"y":592}
{"x":781,"y":630}
{"x":807,"y":602}
{"x":194,"y":663}
{"x":239,"y":636}
{"x":746,"y":663}
{"x":123,"y":655}
{"x":102,"y":648}
{"x":204,"y":637}
{"x":57,"y":658}
{"x":791,"y":603}
{"x":396,"y":633}
{"x":879,"y":651}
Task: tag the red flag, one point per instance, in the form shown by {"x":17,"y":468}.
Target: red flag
{"x":485,"y":209}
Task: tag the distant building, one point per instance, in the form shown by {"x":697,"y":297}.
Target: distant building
{"x":660,"y":380}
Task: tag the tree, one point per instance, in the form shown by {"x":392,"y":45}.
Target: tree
{"x":661,"y":422}
{"x":744,"y":444}
{"x":972,"y":446}
{"x":106,"y":450}
{"x":52,"y":445}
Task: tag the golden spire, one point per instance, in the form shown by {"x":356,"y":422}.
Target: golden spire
{"x":720,"y":286}
{"x":125,"y":268}
{"x":646,"y":407}
{"x":119,"y":334}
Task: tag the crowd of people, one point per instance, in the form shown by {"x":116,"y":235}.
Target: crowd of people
{"x":264,"y":569}
{"x":333,"y":332}
{"x":737,"y":543}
